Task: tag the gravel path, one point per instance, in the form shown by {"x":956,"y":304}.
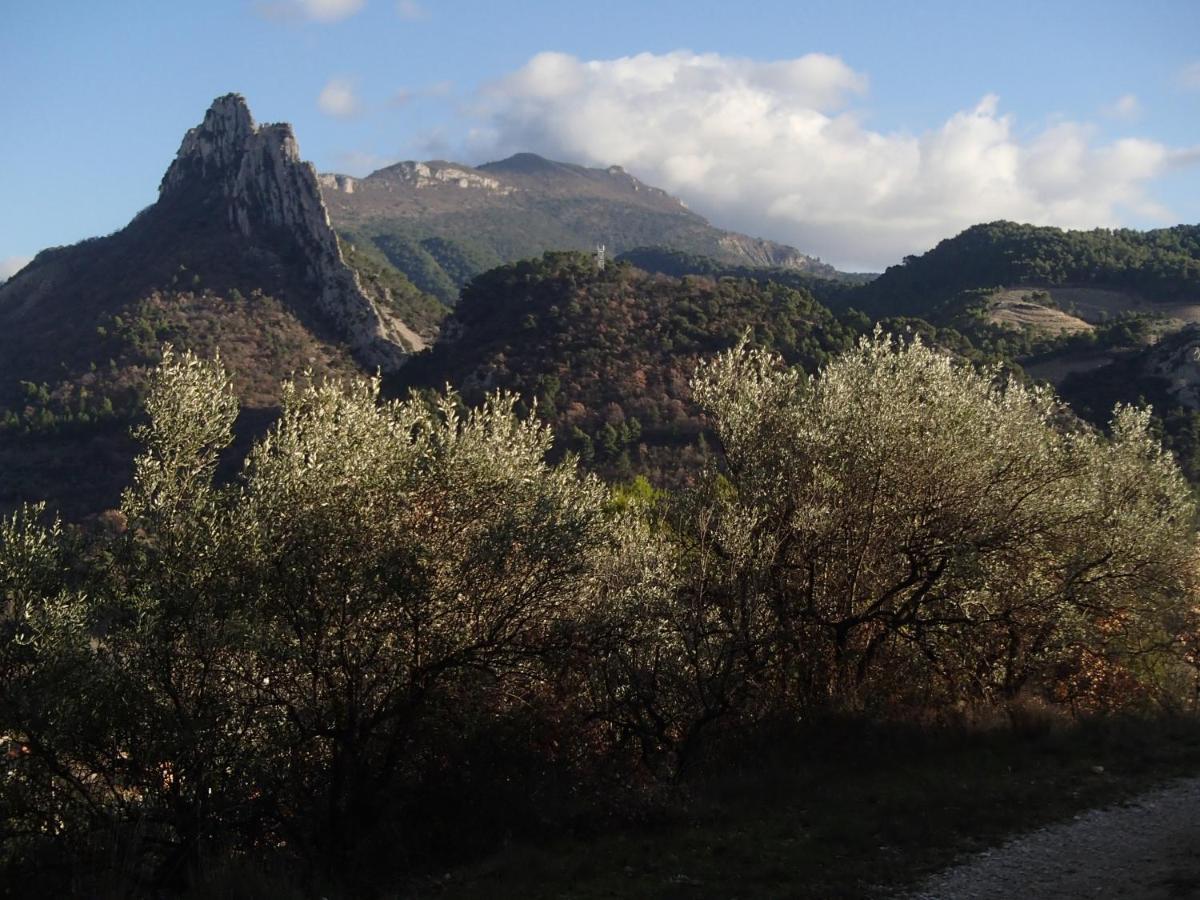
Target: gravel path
{"x":1148,"y":848}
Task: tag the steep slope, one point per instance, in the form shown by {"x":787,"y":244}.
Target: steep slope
{"x":608,"y":355}
{"x":237,"y":254}
{"x":1161,"y":266}
{"x":442,"y":223}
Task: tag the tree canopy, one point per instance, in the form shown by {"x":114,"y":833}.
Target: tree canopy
{"x":320,"y":660}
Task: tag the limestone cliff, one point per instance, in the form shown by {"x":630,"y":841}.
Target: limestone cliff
{"x":235,"y":256}
{"x":253,"y":178}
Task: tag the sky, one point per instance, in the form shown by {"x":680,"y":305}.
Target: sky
{"x":859,"y":132}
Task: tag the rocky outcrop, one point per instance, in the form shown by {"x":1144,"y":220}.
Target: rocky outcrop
{"x":425,"y":175}
{"x":760,"y":252}
{"x":253,"y":178}
{"x":343,"y":183}
{"x":1176,"y":359}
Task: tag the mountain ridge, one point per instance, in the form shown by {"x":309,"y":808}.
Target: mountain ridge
{"x":442,"y":223}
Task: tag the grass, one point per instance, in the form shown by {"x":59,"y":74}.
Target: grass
{"x":842,"y":810}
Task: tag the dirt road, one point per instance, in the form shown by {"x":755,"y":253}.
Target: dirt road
{"x":1147,"y":848}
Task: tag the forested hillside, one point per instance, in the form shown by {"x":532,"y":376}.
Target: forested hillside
{"x":608,"y":355}
{"x":1163,"y":264}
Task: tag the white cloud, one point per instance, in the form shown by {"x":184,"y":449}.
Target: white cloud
{"x":308,"y":10}
{"x":1126,"y":108}
{"x":338,"y":99}
{"x":774,"y":148}
{"x":411,"y":10}
{"x":11,"y":265}
{"x":1188,"y":77}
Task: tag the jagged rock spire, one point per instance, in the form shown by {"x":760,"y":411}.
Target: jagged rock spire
{"x":252,"y":177}
{"x":214,"y":147}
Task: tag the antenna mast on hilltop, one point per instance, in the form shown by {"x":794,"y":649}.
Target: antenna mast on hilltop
{"x":600,"y":257}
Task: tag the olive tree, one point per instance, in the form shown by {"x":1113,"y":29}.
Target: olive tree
{"x":256,"y":664}
{"x":925,"y":531}
{"x":680,"y":627}
{"x":46,"y":686}
{"x":402,"y":558}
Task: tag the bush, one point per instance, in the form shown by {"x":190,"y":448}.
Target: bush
{"x":400,"y":627}
{"x":261,"y":665}
{"x":928,"y":534}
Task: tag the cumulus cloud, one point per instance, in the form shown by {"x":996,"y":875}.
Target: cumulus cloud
{"x":778,"y":149}
{"x":411,"y":10}
{"x":309,"y":10}
{"x":338,"y":99}
{"x":11,"y":265}
{"x":1126,"y":108}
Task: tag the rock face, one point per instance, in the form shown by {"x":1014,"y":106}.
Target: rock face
{"x":343,"y":183}
{"x":761,"y":252}
{"x":252,"y":177}
{"x":424,"y":175}
{"x":236,"y":256}
{"x":1176,"y":359}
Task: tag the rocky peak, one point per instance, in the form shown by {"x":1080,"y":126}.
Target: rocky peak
{"x":251,"y":180}
{"x":215,"y":146}
{"x":524,"y":164}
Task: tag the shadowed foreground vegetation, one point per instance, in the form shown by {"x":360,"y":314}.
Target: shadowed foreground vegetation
{"x":402,"y":639}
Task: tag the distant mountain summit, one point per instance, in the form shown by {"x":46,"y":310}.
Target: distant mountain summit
{"x":237,"y":253}
{"x":442,"y":223}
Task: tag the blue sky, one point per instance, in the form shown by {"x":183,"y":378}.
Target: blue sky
{"x":858,"y":131}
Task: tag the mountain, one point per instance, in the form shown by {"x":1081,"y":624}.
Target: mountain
{"x":608,"y":354}
{"x":441,"y":223}
{"x":238,"y":254}
{"x":1160,"y":266}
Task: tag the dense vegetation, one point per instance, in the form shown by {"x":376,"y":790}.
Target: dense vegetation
{"x":832,"y":288}
{"x":1161,"y":264}
{"x":64,"y":437}
{"x":607,"y":355}
{"x":434,"y":263}
{"x":401,"y":629}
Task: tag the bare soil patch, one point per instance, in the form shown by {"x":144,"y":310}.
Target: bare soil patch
{"x":1095,"y":305}
{"x":1015,"y":309}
